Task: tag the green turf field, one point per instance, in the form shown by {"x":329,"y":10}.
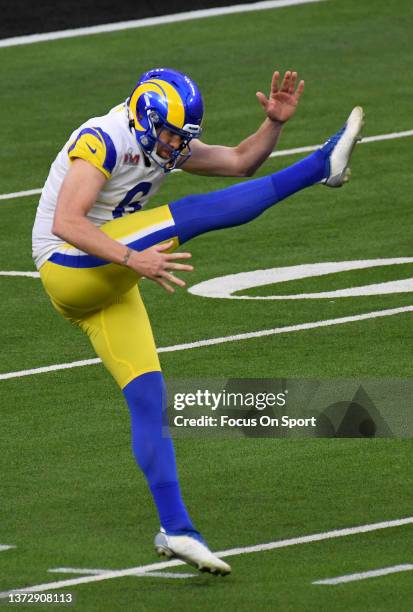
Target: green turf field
{"x":71,"y":495}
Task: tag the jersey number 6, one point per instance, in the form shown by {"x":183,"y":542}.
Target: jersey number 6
{"x":126,"y":205}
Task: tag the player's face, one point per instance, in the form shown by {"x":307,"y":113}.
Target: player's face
{"x":167,"y":140}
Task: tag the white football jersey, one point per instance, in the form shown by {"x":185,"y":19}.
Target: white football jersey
{"x":110,"y":145}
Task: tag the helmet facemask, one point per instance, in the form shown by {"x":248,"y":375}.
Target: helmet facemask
{"x":152,"y":137}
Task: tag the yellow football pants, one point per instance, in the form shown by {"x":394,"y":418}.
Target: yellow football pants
{"x":105,"y":301}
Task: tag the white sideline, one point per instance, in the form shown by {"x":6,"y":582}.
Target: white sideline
{"x":281,"y":153}
{"x":221,"y":340}
{"x":364,"y":575}
{"x":150,"y":21}
{"x":141,"y":569}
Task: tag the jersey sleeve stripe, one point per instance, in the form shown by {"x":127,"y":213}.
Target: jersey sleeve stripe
{"x":110,"y":159}
{"x":83,"y":133}
{"x":96,"y":146}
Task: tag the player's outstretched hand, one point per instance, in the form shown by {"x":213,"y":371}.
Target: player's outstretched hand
{"x":283,"y":99}
{"x":159,"y":266}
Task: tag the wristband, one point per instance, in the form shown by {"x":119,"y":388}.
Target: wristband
{"x":126,"y":257}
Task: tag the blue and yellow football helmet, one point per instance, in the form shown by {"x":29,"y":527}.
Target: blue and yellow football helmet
{"x":166,"y":99}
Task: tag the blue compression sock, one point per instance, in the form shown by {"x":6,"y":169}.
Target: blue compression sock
{"x":197,"y":214}
{"x":153,"y":449}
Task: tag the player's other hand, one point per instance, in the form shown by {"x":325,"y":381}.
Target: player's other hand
{"x":283,"y":99}
{"x":158,"y":265}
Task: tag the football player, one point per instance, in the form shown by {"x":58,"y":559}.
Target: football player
{"x":92,"y":242}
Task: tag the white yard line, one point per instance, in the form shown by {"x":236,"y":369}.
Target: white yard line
{"x":6,"y":547}
{"x":167,"y":575}
{"x":98,"y":572}
{"x":395,"y":569}
{"x":12,"y":273}
{"x":281,"y":153}
{"x":77,"y":570}
{"x":366,"y":140}
{"x":52,"y":368}
{"x":151,"y":21}
{"x":221,"y":340}
{"x":132,"y":571}
{"x":20,"y":194}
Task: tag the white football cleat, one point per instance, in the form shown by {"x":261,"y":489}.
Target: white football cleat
{"x":192,"y":549}
{"x":340,"y":147}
